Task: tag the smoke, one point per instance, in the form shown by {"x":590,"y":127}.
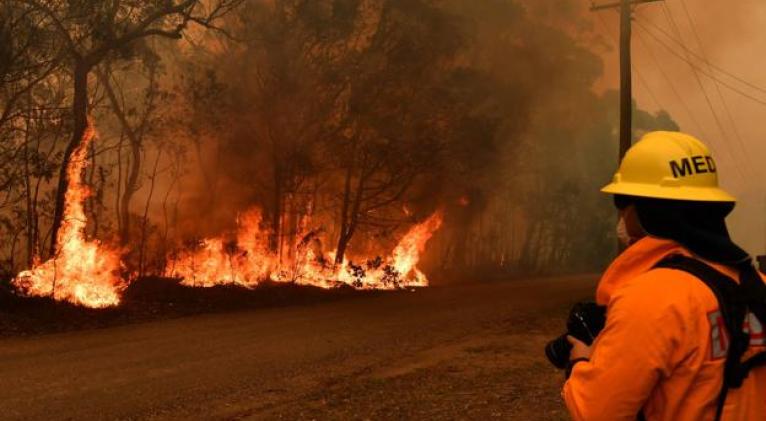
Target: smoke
{"x":490,"y":110}
{"x":357,"y":119}
{"x":728,"y":35}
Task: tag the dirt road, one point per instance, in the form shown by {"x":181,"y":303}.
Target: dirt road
{"x":465,"y":352}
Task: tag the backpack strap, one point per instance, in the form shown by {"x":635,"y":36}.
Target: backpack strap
{"x":733,"y":303}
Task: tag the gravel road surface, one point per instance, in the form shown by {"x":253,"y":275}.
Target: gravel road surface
{"x":454,"y":352}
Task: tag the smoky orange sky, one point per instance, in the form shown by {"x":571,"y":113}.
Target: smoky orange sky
{"x":732,"y":37}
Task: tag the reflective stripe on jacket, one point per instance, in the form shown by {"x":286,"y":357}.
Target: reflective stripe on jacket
{"x":662,"y":348}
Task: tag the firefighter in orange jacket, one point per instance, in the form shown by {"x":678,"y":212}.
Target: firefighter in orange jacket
{"x":661,"y":353}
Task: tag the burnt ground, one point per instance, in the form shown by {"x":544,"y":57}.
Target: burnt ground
{"x":153,"y":298}
{"x":458,"y":352}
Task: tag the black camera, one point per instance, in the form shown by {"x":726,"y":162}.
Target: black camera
{"x":585,"y":322}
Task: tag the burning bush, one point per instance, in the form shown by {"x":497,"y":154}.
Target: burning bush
{"x":248,"y":260}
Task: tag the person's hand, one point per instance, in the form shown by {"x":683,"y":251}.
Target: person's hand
{"x":579,"y":349}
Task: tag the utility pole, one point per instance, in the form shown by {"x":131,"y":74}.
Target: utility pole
{"x":626,"y":82}
{"x":626,"y":85}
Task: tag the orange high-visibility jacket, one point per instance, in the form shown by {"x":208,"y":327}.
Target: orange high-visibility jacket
{"x":663,"y":347}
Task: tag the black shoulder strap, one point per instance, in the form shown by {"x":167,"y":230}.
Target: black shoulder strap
{"x":725,"y":289}
{"x":734,"y":300}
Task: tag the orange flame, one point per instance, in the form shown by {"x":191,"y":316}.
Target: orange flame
{"x":248,"y":261}
{"x":215,"y":261}
{"x":82,"y":272}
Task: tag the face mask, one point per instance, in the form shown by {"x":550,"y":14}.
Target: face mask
{"x":622,"y":233}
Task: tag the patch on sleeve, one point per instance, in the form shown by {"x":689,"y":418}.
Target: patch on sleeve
{"x":754,"y":327}
{"x":719,"y":338}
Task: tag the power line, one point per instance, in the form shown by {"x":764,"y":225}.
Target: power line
{"x":667,"y":78}
{"x":697,"y":67}
{"x":672,"y":85}
{"x":698,"y":57}
{"x":737,"y":136}
{"x":626,"y":86}
{"x":673,"y":24}
{"x":648,"y":88}
{"x":642,"y":80}
{"x":634,"y":67}
{"x":695,"y":70}
{"x":679,"y":97}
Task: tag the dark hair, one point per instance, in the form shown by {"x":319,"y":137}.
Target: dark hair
{"x":698,"y":226}
{"x":621,"y":201}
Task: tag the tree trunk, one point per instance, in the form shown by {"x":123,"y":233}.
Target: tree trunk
{"x":93,"y":198}
{"x":145,"y":220}
{"x":276,"y":216}
{"x":134,"y":168}
{"x":352,"y":217}
{"x":130,"y":188}
{"x":340,"y":250}
{"x":118,"y":194}
{"x":165,"y":217}
{"x":31,"y":205}
{"x":135,"y":137}
{"x":80,"y":120}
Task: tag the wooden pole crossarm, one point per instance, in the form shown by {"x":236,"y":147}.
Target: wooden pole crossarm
{"x":596,"y":7}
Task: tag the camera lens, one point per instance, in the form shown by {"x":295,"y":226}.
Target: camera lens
{"x":558,"y":351}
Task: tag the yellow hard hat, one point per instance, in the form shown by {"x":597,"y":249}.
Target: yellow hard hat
{"x":669,"y":165}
